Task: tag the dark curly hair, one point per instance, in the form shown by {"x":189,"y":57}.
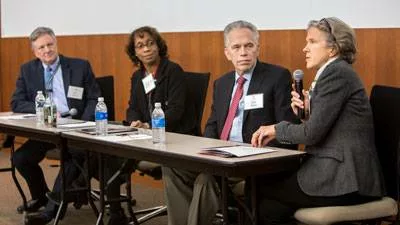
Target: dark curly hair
{"x":130,"y":47}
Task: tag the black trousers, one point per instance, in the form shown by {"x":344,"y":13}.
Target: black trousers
{"x":27,"y":159}
{"x":279,"y":197}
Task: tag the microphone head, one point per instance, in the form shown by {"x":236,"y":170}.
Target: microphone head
{"x":298,"y":75}
{"x":73,"y":112}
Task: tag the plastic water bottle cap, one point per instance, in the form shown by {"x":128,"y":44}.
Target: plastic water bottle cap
{"x":100,"y":99}
{"x":157,"y":104}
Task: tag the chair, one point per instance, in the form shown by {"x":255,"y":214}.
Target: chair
{"x":386,"y":110}
{"x":197,"y":84}
{"x":106,"y":84}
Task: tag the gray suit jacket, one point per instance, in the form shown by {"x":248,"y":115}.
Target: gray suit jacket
{"x":339,"y":137}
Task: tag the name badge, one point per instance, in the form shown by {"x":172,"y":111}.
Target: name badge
{"x":75,"y":92}
{"x":148,"y":83}
{"x":255,"y":101}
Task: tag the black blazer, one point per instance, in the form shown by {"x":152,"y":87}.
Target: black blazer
{"x":271,"y":80}
{"x":170,"y":91}
{"x":75,"y":72}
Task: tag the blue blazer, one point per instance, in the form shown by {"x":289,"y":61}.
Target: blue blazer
{"x":75,"y":72}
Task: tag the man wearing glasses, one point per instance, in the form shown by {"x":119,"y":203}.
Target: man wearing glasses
{"x":72,"y":84}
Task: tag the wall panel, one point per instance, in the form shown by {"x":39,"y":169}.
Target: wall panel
{"x":379,"y":52}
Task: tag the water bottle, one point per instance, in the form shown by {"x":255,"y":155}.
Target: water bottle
{"x":101,"y":117}
{"x":50,"y":110}
{"x":158,"y":124}
{"x":39,"y":104}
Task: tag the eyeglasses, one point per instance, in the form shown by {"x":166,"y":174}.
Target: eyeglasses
{"x":328,"y":26}
{"x":149,"y":44}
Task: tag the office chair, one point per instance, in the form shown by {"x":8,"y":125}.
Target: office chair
{"x":197,"y":84}
{"x":106,"y":85}
{"x":386,"y":110}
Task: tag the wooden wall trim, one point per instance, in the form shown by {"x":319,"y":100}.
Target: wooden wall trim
{"x":1,"y":80}
{"x":377,"y":60}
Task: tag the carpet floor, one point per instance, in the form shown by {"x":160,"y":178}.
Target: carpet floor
{"x":146,"y":191}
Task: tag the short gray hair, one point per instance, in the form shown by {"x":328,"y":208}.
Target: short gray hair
{"x":240,"y":24}
{"x":40,"y":31}
{"x":340,"y":36}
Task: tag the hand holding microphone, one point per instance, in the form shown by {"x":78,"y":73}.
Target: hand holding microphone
{"x":298,"y":86}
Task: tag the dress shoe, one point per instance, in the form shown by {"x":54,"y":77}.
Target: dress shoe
{"x":37,"y":219}
{"x":118,"y":219}
{"x":32,"y":205}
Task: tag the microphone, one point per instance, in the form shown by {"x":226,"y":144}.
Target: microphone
{"x":298,"y":84}
{"x":72,"y":112}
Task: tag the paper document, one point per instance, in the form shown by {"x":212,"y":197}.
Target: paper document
{"x":110,"y":130}
{"x":17,"y":117}
{"x":77,"y":125}
{"x":235,"y":151}
{"x":123,"y":137}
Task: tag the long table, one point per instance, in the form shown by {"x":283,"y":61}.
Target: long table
{"x":29,"y":128}
{"x":182,"y":151}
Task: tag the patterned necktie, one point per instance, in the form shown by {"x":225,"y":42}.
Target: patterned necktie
{"x":48,"y":81}
{"x":233,"y":108}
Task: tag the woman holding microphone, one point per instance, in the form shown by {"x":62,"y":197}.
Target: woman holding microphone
{"x":342,"y":166}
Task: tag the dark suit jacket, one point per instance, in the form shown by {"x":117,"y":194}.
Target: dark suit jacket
{"x":339,"y":137}
{"x":271,"y":80}
{"x":170,"y":91}
{"x":75,"y":72}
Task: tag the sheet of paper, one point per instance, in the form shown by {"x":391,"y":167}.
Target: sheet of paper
{"x":123,"y":137}
{"x":17,"y":117}
{"x":236,"y":151}
{"x":77,"y":125}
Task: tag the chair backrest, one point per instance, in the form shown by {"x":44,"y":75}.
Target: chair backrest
{"x":385,"y":103}
{"x":106,"y":84}
{"x":197,"y":84}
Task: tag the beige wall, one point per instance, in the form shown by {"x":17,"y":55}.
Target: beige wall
{"x":378,"y":60}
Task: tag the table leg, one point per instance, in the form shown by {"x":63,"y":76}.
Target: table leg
{"x":101,"y":186}
{"x":14,"y":177}
{"x":63,"y":205}
{"x":254,"y":200}
{"x":89,"y":186}
{"x":129,"y":198}
{"x":61,"y":210}
{"x":224,"y":199}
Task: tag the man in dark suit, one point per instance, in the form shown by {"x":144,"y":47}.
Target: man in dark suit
{"x":73,"y":85}
{"x":254,"y":93}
